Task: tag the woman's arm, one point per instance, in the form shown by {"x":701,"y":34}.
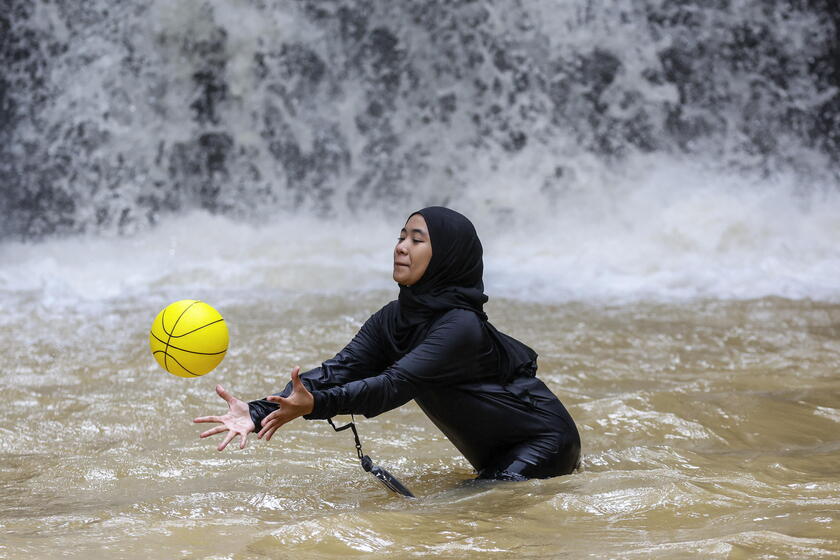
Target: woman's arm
{"x":446,"y":356}
{"x":362,"y":357}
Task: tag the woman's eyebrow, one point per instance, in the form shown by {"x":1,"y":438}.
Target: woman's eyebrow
{"x":415,"y":230}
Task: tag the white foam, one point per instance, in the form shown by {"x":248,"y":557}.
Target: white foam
{"x":674,"y":232}
{"x":660,"y":230}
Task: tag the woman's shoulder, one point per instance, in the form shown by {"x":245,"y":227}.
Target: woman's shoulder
{"x":456,"y":313}
{"x":463,"y":320}
{"x":461,"y":314}
{"x":388,"y":309}
{"x":384,"y":313}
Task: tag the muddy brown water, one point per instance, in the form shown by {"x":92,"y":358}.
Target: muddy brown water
{"x":710,"y":429}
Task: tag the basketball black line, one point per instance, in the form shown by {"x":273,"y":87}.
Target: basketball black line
{"x":163,"y":317}
{"x":171,"y":335}
{"x":192,"y":331}
{"x":163,"y":326}
{"x":185,"y":350}
{"x":174,"y":360}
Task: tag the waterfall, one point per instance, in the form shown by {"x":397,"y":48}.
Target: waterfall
{"x":114,"y":115}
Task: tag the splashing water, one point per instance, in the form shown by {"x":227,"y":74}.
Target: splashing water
{"x":655,"y":186}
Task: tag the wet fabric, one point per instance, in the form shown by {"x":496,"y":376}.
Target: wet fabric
{"x":453,"y":280}
{"x":435,"y":345}
{"x":451,"y":374}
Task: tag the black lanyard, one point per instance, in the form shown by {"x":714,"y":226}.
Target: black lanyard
{"x":381,"y":474}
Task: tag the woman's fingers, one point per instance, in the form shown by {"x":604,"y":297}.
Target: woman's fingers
{"x":279,"y":413}
{"x":296,"y":382}
{"x":271,"y":431}
{"x":228,"y":439}
{"x":214,"y":431}
{"x":271,"y":426}
{"x":266,"y":426}
{"x":207,"y":419}
{"x":243,"y":439}
{"x":224,"y":394}
{"x":265,"y":421}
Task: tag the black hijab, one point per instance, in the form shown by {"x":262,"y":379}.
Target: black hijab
{"x":453,"y":280}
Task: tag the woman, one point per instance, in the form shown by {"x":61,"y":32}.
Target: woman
{"x":434,"y":345}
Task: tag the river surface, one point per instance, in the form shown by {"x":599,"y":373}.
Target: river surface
{"x":710,"y":428}
{"x":655,"y":185}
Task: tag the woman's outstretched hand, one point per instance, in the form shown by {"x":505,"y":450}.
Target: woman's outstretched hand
{"x":298,"y":403}
{"x":237,"y":421}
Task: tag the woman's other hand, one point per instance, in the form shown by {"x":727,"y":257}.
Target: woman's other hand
{"x":298,"y":403}
{"x":237,"y":421}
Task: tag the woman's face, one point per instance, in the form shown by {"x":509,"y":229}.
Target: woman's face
{"x":413,"y":251}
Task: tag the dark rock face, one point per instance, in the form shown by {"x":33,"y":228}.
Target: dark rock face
{"x":112,"y":115}
{"x":823,"y":126}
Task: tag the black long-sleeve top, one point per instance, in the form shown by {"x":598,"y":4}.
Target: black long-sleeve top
{"x":451,"y":375}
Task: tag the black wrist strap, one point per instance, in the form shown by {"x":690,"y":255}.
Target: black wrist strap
{"x":352,"y":426}
{"x":381,"y":474}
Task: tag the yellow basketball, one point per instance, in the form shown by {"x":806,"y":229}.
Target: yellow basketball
{"x":188,"y":338}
